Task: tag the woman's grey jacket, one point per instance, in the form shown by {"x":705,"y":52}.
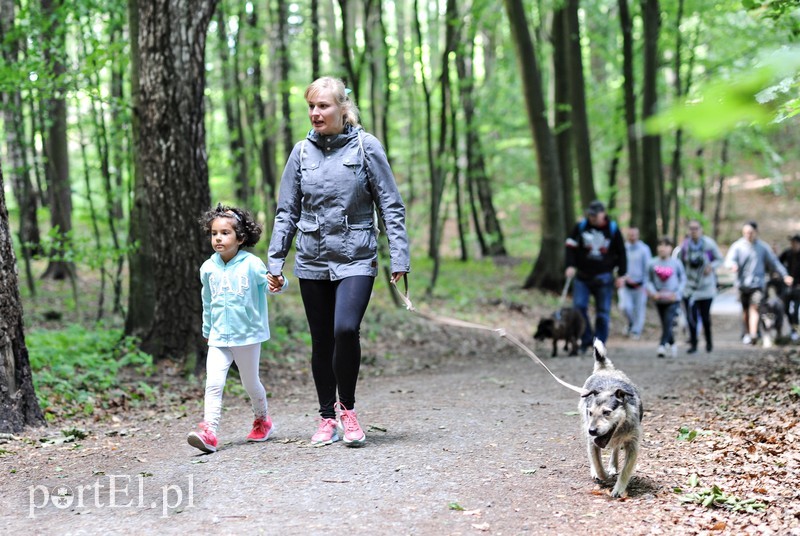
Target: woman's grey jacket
{"x":328,"y":193}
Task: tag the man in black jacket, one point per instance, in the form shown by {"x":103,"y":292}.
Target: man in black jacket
{"x":594,"y":249}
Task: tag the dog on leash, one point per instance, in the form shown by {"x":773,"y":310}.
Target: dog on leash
{"x":770,"y":320}
{"x":611,"y":408}
{"x":566,"y":324}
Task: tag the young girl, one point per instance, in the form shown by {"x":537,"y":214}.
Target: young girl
{"x":666,"y":279}
{"x":235,"y":319}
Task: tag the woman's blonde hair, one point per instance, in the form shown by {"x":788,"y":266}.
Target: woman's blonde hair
{"x":340,"y":95}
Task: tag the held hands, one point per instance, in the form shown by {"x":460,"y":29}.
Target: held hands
{"x":619,"y":282}
{"x":274,"y":282}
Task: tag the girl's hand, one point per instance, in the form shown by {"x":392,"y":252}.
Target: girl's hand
{"x":274,"y":282}
{"x":397,"y":276}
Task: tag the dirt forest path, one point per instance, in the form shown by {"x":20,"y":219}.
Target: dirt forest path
{"x":482,"y":444}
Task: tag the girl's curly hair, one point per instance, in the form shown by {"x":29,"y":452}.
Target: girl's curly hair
{"x":245,"y":226}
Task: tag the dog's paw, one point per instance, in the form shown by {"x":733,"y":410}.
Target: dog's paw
{"x":599,"y":476}
{"x":618,"y":493}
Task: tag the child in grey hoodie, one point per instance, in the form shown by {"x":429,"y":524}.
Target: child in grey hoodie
{"x":666,"y":280}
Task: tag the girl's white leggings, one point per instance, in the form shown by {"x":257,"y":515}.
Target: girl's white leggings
{"x":218,"y":362}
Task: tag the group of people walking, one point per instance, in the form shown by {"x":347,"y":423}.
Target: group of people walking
{"x":685,"y":276}
{"x":335,"y":184}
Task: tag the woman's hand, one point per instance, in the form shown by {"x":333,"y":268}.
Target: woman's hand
{"x":397,"y":276}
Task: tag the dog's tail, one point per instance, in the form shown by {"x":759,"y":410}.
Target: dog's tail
{"x":600,"y":359}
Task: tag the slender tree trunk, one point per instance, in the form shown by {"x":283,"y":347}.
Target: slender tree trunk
{"x":548,"y":270}
{"x":700,"y":170}
{"x":578,"y":114}
{"x":723,"y":171}
{"x":264,"y":119}
{"x":231,"y":94}
{"x":478,"y":182}
{"x":172,"y":150}
{"x":19,"y":406}
{"x":315,"y":48}
{"x":284,"y":66}
{"x":676,"y":167}
{"x":562,"y":113}
{"x":653,"y":176}
{"x":631,"y":129}
{"x":56,"y":149}
{"x":141,"y":260}
{"x":16,"y":155}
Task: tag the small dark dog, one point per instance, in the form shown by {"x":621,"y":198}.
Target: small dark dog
{"x":566,"y":324}
{"x":770,"y":320}
{"x":611,"y":408}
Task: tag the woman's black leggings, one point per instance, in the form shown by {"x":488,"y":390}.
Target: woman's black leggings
{"x":334,"y":310}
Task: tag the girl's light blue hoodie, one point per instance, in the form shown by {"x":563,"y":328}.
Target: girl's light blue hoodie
{"x":235,"y":311}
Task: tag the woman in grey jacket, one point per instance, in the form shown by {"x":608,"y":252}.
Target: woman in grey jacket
{"x":331,"y":185}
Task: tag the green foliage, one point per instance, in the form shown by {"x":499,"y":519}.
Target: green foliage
{"x":716,"y":498}
{"x":762,"y":95}
{"x":685,"y":434}
{"x":77,"y":369}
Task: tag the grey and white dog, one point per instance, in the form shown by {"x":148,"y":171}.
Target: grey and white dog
{"x":612,"y":415}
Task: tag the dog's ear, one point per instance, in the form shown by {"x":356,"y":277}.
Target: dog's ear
{"x":622,"y":394}
{"x":586,"y":394}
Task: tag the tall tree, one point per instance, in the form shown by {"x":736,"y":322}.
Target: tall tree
{"x":56,"y":148}
{"x":631,"y":130}
{"x":19,"y":406}
{"x":230,"y":52}
{"x":141,"y":262}
{"x":652,"y":176}
{"x":479,"y":185}
{"x":562,"y":110}
{"x":548,"y":270}
{"x":16,"y":155}
{"x":172,"y":154}
{"x":577,"y":97}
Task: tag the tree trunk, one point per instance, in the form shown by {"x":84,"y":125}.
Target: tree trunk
{"x":631,"y":130}
{"x":720,"y":188}
{"x":676,"y":167}
{"x":284,"y":66}
{"x":232,"y":95}
{"x":264,"y":118}
{"x":548,"y":270}
{"x":489,"y":231}
{"x":16,"y":156}
{"x":172,"y":151}
{"x":653,"y":176}
{"x":315,"y":48}
{"x":19,"y":406}
{"x":562,"y":122}
{"x":578,"y":114}
{"x":141,"y":262}
{"x":56,"y":149}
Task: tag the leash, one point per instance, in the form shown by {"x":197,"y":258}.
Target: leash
{"x":471,"y":325}
{"x":563,"y":299}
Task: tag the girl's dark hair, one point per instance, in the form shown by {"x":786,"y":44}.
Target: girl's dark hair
{"x":245,"y":226}
{"x":665,"y":240}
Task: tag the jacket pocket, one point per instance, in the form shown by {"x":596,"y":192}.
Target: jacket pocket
{"x":307,"y":239}
{"x":362,"y":242}
{"x":309,"y":173}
